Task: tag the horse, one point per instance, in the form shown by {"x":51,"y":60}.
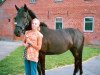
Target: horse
{"x":54,"y":41}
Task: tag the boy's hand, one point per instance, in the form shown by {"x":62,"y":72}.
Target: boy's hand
{"x":26,"y":44}
{"x":29,"y":41}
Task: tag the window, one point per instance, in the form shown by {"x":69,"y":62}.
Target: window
{"x":58,"y":23}
{"x":88,"y":24}
{"x":87,"y":0}
{"x":58,"y":0}
{"x":32,"y":1}
{"x":1,"y":1}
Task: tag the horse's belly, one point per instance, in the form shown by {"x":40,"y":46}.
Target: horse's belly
{"x":56,"y":51}
{"x":58,"y":48}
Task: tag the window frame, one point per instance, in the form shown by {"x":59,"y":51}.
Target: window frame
{"x":58,"y":0}
{"x":91,"y":22}
{"x":2,"y":1}
{"x":87,"y":0}
{"x":32,"y":1}
{"x":59,"y":22}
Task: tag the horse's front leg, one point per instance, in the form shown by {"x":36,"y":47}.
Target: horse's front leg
{"x":42,"y":62}
{"x":39,"y":68}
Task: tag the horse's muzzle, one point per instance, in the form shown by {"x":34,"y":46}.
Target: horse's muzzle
{"x":17,"y":32}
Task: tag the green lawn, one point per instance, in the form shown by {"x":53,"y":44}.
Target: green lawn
{"x":13,"y":64}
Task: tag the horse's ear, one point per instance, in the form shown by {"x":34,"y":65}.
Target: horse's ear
{"x":25,"y":7}
{"x":16,"y":7}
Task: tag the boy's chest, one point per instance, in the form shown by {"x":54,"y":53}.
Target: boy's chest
{"x":32,"y":36}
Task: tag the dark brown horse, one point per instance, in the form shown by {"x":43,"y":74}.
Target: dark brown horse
{"x":54,"y":41}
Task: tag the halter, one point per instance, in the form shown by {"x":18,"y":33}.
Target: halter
{"x":27,"y":19}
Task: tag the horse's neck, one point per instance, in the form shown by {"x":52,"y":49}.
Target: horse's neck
{"x":32,"y":14}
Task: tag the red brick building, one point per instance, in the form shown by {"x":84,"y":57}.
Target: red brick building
{"x":81,"y":14}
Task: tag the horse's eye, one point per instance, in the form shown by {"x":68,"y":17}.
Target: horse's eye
{"x":25,"y":16}
{"x":15,"y":18}
{"x":15,"y":23}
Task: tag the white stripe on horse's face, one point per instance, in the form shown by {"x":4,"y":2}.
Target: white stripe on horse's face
{"x":15,"y":23}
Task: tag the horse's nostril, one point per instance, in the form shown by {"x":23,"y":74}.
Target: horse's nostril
{"x":17,"y":32}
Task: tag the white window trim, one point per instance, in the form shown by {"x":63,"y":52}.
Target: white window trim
{"x":32,"y":1}
{"x":58,"y":0}
{"x":87,"y":0}
{"x":92,"y":27}
{"x":56,"y":21}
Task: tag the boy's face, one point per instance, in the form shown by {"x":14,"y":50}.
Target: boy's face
{"x":35,"y":23}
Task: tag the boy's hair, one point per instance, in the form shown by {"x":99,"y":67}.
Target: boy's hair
{"x":35,"y":19}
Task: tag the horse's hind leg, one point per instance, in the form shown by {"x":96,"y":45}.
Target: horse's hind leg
{"x":80,"y":66}
{"x":73,"y":50}
{"x":78,"y":60}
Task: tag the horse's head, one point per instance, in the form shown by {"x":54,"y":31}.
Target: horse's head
{"x":22,"y":20}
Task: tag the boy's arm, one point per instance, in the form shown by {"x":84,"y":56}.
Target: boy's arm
{"x":24,"y":40}
{"x":39,"y":43}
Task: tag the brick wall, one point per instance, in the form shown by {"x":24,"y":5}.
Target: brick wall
{"x":72,"y":13}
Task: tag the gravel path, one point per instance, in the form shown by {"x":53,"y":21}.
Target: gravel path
{"x":6,"y":47}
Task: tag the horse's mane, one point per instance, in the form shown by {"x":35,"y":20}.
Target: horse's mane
{"x":42,"y":24}
{"x":32,"y":14}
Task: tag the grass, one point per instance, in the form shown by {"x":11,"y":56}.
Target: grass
{"x":66,"y":58}
{"x":13,"y":64}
